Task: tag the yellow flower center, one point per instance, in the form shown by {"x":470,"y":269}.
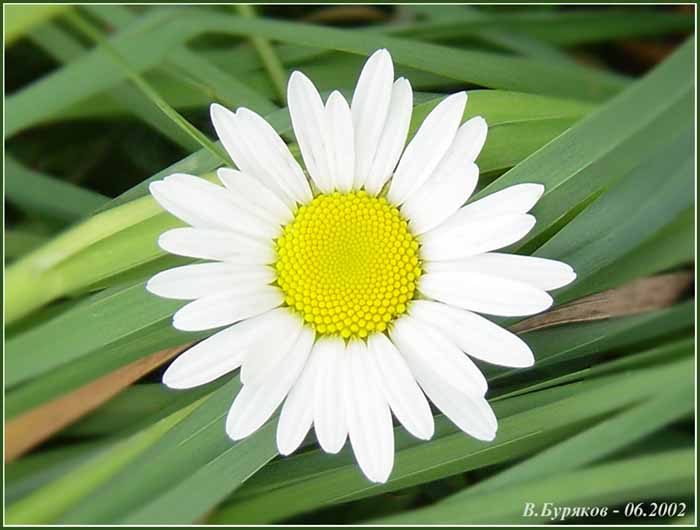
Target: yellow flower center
{"x":348,"y":264}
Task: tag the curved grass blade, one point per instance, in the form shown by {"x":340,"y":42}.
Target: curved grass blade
{"x":599,"y":441}
{"x":85,"y":27}
{"x":606,"y":484}
{"x":50,"y":501}
{"x":146,"y":42}
{"x":20,"y":19}
{"x":27,"y":431}
{"x":608,"y":143}
{"x":42,"y":194}
{"x":312,"y":480}
{"x":652,"y":195}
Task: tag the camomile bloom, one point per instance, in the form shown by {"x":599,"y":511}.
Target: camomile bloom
{"x":350,"y":289}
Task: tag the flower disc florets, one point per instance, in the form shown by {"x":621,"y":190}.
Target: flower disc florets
{"x":348,"y":263}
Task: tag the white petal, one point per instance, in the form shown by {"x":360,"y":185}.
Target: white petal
{"x":253,"y":195}
{"x":474,"y":334}
{"x":484,"y":294}
{"x":203,"y":279}
{"x":271,"y":350}
{"x":427,"y":148}
{"x":368,"y":416}
{"x":456,"y":174}
{"x":547,"y":274}
{"x":423,"y":344}
{"x":400,"y":388}
{"x":226,"y":308}
{"x":310,"y":128}
{"x":393,"y":137}
{"x":219,"y":354}
{"x":341,"y":140}
{"x":233,"y":140}
{"x":370,"y":106}
{"x":254,"y":404}
{"x":298,"y":409}
{"x":217,"y":245}
{"x":179,"y":206}
{"x":212,"y":206}
{"x":469,"y":141}
{"x":472,"y":414}
{"x":258,"y":150}
{"x":440,"y":197}
{"x":516,"y":199}
{"x":275,"y":155}
{"x":450,"y":242}
{"x":329,"y":413}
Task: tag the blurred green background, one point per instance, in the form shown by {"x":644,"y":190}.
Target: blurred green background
{"x":595,"y":102}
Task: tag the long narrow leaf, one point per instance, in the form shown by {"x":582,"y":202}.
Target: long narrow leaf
{"x":312,"y":480}
{"x":41,"y":194}
{"x":608,"y":484}
{"x":92,"y":73}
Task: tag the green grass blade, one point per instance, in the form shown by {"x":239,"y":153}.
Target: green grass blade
{"x":126,"y":98}
{"x":584,"y":28}
{"x":567,"y":28}
{"x":329,"y":70}
{"x":607,"y":484}
{"x":25,"y":290}
{"x":608,"y":143}
{"x":190,"y":505}
{"x":199,"y":73}
{"x":670,"y":247}
{"x":522,"y":122}
{"x":35,"y":470}
{"x":165,"y":30}
{"x":162,"y":467}
{"x":56,"y":42}
{"x":37,"y":193}
{"x":19,"y":242}
{"x":313,"y":479}
{"x":94,"y":34}
{"x":92,"y":73}
{"x":566,"y":344}
{"x":50,"y":501}
{"x":197,"y":494}
{"x":26,"y":355}
{"x":20,"y":19}
{"x":268,"y":56}
{"x":523,"y":44}
{"x":601,"y":440}
{"x":131,"y":406}
{"x":600,"y":235}
{"x":485,"y":69}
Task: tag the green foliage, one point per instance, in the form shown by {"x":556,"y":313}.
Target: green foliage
{"x":20,"y":19}
{"x":35,"y":193}
{"x":605,"y":416}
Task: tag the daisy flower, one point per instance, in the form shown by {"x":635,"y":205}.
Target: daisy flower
{"x":350,"y":288}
